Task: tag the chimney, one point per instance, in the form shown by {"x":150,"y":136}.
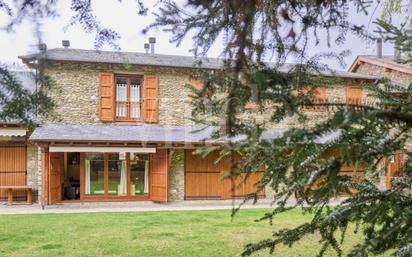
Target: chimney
{"x":397,"y":53}
{"x":42,"y":47}
{"x":379,"y":47}
{"x":66,"y":43}
{"x":146,"y":47}
{"x":152,"y":42}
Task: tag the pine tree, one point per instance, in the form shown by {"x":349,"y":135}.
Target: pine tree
{"x":296,"y":164}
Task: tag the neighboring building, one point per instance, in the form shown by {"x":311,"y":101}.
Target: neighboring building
{"x":383,"y":66}
{"x":17,"y":156}
{"x":120,"y":131}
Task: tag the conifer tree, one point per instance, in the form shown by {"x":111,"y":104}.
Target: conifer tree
{"x":304,"y":162}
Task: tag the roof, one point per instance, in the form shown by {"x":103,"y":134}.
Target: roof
{"x":119,"y":133}
{"x":386,"y":61}
{"x":117,"y":57}
{"x":142,"y":134}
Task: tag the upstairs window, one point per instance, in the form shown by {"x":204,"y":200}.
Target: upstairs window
{"x":318,"y":98}
{"x":353,"y":94}
{"x":128,"y":98}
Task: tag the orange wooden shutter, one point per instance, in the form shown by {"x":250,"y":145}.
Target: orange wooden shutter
{"x":159,"y":170}
{"x":151,"y":99}
{"x":196,"y":83}
{"x":107,"y":96}
{"x":353,"y":94}
{"x":56,"y":163}
{"x":318,"y":96}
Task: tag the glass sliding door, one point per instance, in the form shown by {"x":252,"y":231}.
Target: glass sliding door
{"x":94,"y":174}
{"x":117,"y":174}
{"x":111,"y":175}
{"x":139,"y":174}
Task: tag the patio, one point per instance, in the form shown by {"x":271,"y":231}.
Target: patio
{"x":135,"y":206}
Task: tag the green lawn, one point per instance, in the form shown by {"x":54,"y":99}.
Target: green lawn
{"x":179,"y":233}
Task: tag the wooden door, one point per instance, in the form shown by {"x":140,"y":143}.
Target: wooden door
{"x":159,"y":171}
{"x":204,"y":179}
{"x":13,"y":169}
{"x":203,"y":185}
{"x":55,"y":185}
{"x":251,"y":182}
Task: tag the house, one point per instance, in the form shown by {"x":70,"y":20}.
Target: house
{"x":120,"y":131}
{"x":384,"y":66}
{"x":393,"y":68}
{"x":17,"y":156}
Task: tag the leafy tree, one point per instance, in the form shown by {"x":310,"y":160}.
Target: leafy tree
{"x":22,"y":105}
{"x":305,"y":162}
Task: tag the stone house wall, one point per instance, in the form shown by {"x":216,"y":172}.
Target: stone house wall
{"x":371,"y":69}
{"x":32,"y":169}
{"x":176,"y":187}
{"x":76,"y":92}
{"x":76,"y":95}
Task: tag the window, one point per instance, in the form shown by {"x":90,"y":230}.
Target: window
{"x":128,"y":95}
{"x":353,"y":95}
{"x":117,"y":174}
{"x":94,"y":174}
{"x":111,"y":175}
{"x":139,"y":174}
{"x":318,"y":96}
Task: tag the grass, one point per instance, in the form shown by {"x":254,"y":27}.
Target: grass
{"x":179,"y":233}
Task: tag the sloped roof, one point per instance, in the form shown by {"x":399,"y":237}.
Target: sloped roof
{"x":387,"y":61}
{"x":118,"y":133}
{"x":143,"y":134}
{"x":116,"y":57}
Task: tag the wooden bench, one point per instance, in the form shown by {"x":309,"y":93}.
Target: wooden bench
{"x":10,"y":189}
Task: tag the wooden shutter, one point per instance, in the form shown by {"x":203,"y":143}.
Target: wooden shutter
{"x":56,"y":163}
{"x":151,"y":99}
{"x":197,"y":84}
{"x":159,"y":170}
{"x":318,"y":96}
{"x":107,"y":96}
{"x":353,"y":94}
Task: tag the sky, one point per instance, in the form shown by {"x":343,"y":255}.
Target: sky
{"x":123,"y":18}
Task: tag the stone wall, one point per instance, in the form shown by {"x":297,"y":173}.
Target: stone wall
{"x":334,"y":94}
{"x":371,"y":69}
{"x":76,"y":92}
{"x":32,"y":169}
{"x":176,"y":190}
{"x":76,"y":95}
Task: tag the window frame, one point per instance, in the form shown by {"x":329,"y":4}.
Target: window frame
{"x":319,"y":96}
{"x":350,"y":86}
{"x":106,"y":196}
{"x":128,"y":117}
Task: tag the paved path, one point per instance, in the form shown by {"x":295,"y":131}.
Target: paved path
{"x":85,"y":207}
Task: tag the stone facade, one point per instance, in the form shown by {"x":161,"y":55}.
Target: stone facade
{"x":32,"y":168}
{"x":76,"y":94}
{"x":371,"y":69}
{"x":334,"y":94}
{"x":177,"y":176}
